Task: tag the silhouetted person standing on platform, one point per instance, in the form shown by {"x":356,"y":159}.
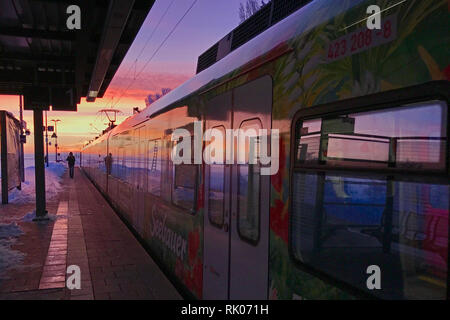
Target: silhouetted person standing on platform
{"x":71,"y":161}
{"x":108,"y":163}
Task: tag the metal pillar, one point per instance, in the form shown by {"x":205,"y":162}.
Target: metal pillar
{"x":46,"y":139}
{"x":22,"y":155}
{"x":4,"y":158}
{"x":39,"y":163}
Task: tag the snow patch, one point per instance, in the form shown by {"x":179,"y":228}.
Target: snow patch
{"x":10,"y":230}
{"x":53,"y":174}
{"x":9,"y":258}
{"x":31,"y":215}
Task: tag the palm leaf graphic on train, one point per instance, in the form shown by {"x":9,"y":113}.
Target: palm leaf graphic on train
{"x":309,"y":77}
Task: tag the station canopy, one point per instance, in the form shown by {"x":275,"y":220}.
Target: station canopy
{"x":51,"y":65}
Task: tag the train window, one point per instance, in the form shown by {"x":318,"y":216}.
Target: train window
{"x":117,"y":163}
{"x":154,"y":167}
{"x":216,"y":196}
{"x":249,"y":182}
{"x":130,"y":164}
{"x":121,"y":163}
{"x":308,"y":147}
{"x":408,"y":137}
{"x":114,"y":162}
{"x":123,"y":171}
{"x":141,"y":161}
{"x":343,"y":222}
{"x":185,"y":183}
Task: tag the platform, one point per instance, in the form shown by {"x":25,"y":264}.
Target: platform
{"x":87,"y":233}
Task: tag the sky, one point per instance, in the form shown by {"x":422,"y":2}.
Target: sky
{"x":206,"y":23}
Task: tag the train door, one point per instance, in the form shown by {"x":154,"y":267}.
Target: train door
{"x":217,"y":206}
{"x":237,"y":198}
{"x":250,"y":192}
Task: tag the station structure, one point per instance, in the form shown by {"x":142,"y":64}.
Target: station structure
{"x":55,"y":52}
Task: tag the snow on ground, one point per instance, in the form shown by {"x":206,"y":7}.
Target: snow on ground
{"x":31,"y":215}
{"x":53,"y":174}
{"x":8,"y":257}
{"x":9,"y":232}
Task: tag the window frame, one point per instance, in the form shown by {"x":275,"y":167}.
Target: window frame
{"x":160,"y":144}
{"x":219,"y":226}
{"x":193,"y":210}
{"x":434,"y":90}
{"x":238,"y":166}
{"x":321,"y":164}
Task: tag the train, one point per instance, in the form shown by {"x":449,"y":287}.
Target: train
{"x":358,"y":205}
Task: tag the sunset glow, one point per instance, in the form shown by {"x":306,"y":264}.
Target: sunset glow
{"x":230,"y":153}
{"x":173,"y":65}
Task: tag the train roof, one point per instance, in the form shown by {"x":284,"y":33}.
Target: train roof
{"x":299,"y":22}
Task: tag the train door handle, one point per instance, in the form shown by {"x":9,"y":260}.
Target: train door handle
{"x":225,"y":227}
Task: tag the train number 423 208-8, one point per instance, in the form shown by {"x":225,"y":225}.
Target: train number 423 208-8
{"x":362,"y":39}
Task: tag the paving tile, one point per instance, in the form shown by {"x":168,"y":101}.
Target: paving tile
{"x":50,"y":285}
{"x":53,"y":279}
{"x":81,"y":292}
{"x":55,"y":268}
{"x":56,"y":251}
{"x":87,"y":233}
{"x":53,"y":273}
{"x":56,"y":256}
{"x":55,"y":262}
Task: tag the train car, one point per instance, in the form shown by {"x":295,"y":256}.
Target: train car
{"x":358,"y":204}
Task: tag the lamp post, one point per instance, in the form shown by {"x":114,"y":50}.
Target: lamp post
{"x":55,"y":135}
{"x":46,"y":139}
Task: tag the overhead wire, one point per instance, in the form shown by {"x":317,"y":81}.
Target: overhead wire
{"x":156,"y":51}
{"x":143,"y":48}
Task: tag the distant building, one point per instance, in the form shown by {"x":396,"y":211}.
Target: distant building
{"x":153,"y":97}
{"x":11,"y":154}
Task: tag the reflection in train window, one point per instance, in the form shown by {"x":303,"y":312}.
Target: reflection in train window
{"x":185,"y":183}
{"x":183,"y":193}
{"x":249,"y":182}
{"x":119,"y":164}
{"x":154,"y":167}
{"x":125,"y":164}
{"x":131,"y":164}
{"x":408,"y":137}
{"x":216,"y":194}
{"x":141,"y":162}
{"x":308,"y":148}
{"x":341,"y":223}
